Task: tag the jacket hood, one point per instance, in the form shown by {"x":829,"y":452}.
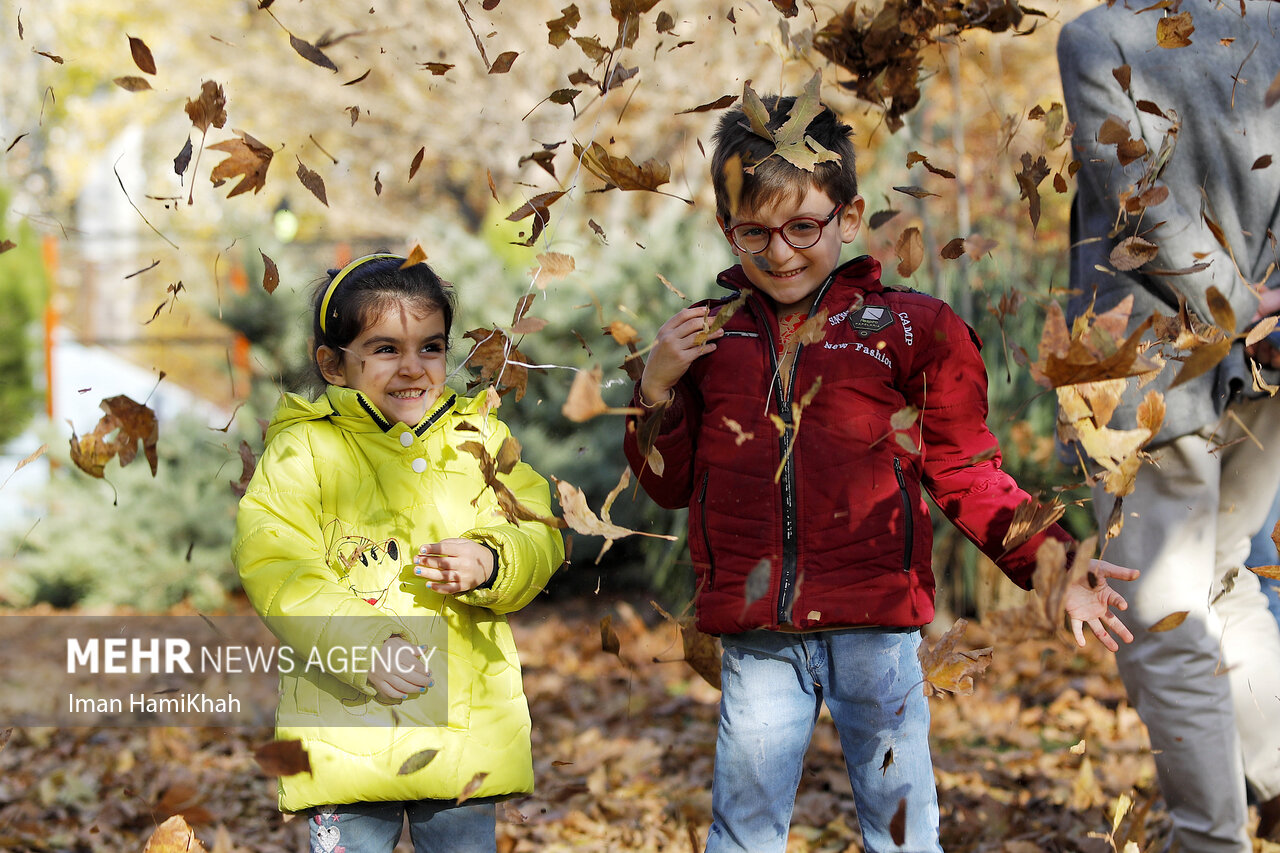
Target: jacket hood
{"x":348,"y":409}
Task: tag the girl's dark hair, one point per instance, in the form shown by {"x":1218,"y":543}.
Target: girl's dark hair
{"x":368,"y":290}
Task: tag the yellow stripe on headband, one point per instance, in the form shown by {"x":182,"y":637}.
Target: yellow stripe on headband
{"x":337,"y":279}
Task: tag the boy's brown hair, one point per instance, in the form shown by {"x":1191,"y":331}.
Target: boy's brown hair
{"x":765,"y":179}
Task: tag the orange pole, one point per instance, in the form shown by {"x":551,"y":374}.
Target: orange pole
{"x":49,"y":253}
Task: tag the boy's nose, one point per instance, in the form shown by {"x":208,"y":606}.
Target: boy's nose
{"x":777,"y":247}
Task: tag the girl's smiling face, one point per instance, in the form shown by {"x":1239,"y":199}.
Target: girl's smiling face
{"x":397,"y":361}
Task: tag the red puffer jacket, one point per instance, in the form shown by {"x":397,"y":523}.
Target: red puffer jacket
{"x":825,"y":525}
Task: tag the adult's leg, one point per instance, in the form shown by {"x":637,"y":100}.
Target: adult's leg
{"x":872,"y":683}
{"x":1174,"y":678}
{"x":768,"y":708}
{"x":1250,"y":635}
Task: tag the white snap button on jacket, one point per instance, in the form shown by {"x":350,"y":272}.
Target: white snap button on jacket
{"x":406,"y":438}
{"x":419,"y":465}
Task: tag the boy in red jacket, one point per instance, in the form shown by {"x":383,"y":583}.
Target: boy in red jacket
{"x":802,"y":434}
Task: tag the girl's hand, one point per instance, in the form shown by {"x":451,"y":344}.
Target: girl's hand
{"x":398,"y":671}
{"x":680,"y":340}
{"x":451,"y":566}
{"x":1090,"y":599}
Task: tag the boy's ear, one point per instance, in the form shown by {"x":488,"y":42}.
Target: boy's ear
{"x":330,"y":364}
{"x":851,"y":218}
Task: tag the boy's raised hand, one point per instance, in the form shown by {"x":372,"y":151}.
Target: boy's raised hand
{"x":1089,"y":601}
{"x":681,"y":339}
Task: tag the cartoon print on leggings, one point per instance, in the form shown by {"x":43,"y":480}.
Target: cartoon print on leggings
{"x":327,"y":834}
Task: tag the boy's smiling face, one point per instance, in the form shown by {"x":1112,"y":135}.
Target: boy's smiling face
{"x":790,"y":276}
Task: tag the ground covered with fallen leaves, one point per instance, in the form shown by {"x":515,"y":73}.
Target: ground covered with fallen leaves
{"x":1038,"y":758}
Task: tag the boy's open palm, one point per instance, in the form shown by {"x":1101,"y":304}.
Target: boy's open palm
{"x":681,"y":339}
{"x":1089,"y":601}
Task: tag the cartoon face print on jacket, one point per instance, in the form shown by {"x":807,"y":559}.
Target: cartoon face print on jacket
{"x":369,"y":568}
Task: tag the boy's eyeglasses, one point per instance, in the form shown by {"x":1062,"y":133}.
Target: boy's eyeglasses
{"x":802,"y":232}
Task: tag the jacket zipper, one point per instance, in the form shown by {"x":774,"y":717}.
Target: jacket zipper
{"x":909,"y":522}
{"x":706,"y":534}
{"x":787,"y":577}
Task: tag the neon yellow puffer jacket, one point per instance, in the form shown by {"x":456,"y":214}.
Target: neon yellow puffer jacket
{"x":324,"y":544}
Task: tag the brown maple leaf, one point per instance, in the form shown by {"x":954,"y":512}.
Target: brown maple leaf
{"x":131,"y":423}
{"x":579,"y":517}
{"x":948,"y":670}
{"x":621,"y":172}
{"x":282,"y":758}
{"x":246,"y":157}
{"x":498,"y":360}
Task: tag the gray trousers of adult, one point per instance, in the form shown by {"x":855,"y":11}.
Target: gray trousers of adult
{"x":1208,"y":690}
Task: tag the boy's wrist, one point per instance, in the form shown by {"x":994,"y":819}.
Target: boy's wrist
{"x":648,"y":402}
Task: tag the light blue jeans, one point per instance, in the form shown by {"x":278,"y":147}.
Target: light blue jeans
{"x":436,"y":826}
{"x":774,"y":685}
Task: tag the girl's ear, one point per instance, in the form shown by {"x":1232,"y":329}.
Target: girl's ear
{"x":330,"y":364}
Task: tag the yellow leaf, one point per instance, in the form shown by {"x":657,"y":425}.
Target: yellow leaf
{"x":1168,"y":623}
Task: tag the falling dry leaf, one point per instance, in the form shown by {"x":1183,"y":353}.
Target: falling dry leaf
{"x":1174,"y":31}
{"x":948,"y":670}
{"x":313,"y":182}
{"x":579,"y":517}
{"x":503,"y":63}
{"x":131,"y":423}
{"x":282,"y":758}
{"x":270,"y":274}
{"x":132,"y":84}
{"x":1168,"y":623}
{"x":311,"y":53}
{"x":142,"y":55}
{"x":417,"y":255}
{"x":417,"y":761}
{"x":621,"y":172}
{"x":209,"y":108}
{"x":609,"y":642}
{"x":175,"y":835}
{"x":417,"y":162}
{"x":585,"y":401}
{"x":553,"y":266}
{"x":910,"y":251}
{"x":472,"y":786}
{"x":246,"y":157}
{"x":498,"y":361}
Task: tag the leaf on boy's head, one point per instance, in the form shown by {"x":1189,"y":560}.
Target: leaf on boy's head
{"x":756,"y":112}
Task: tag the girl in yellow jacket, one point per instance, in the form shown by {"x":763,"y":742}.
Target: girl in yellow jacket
{"x":373,"y":543}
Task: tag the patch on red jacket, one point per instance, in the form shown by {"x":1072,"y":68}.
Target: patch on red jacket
{"x":870,"y":318}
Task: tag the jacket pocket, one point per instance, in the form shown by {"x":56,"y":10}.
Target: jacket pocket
{"x":706,"y":530}
{"x":908,"y":520}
